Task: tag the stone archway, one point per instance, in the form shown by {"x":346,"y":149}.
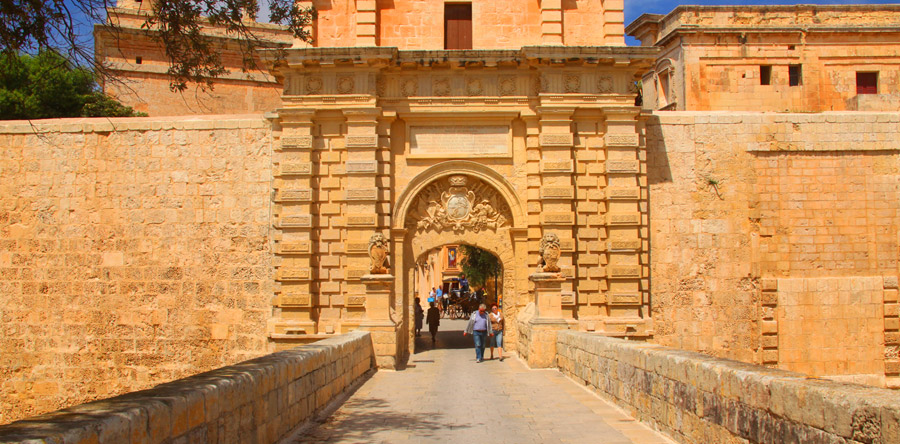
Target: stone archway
{"x":460,"y":202}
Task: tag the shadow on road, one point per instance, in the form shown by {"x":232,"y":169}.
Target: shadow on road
{"x":449,"y":337}
{"x":373,"y":415}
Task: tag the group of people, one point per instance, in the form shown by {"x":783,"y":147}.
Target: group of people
{"x":439,"y":298}
{"x":483,"y":327}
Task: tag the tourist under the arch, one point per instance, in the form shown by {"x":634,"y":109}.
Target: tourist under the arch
{"x":480,"y":328}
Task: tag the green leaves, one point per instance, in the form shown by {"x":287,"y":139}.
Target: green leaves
{"x":64,"y":26}
{"x":479,"y":265}
{"x":48,"y":86}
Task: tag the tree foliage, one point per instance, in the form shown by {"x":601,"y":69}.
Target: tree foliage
{"x":47,"y":86}
{"x":32,"y":26}
{"x":479,"y":265}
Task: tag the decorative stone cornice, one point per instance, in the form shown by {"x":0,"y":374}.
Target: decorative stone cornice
{"x":472,"y":58}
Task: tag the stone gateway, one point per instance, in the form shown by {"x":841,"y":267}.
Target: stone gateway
{"x":138,"y":251}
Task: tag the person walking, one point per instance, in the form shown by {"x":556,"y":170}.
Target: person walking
{"x":420,"y":314}
{"x":434,"y":320}
{"x":438,"y":294}
{"x":445,"y":302}
{"x":497,"y":323}
{"x":480,"y":328}
{"x":432,"y":295}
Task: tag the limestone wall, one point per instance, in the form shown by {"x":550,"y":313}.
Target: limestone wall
{"x":774,"y":238}
{"x":141,"y":67}
{"x":512,"y":24}
{"x":261,"y":401}
{"x":132,"y":252}
{"x":696,"y":398}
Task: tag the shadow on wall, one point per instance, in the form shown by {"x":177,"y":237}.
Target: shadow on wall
{"x":658,"y":169}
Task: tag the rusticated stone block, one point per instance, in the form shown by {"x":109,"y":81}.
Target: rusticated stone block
{"x":769,"y":298}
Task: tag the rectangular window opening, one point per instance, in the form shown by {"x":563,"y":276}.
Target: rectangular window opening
{"x":664,"y":96}
{"x":867,"y":83}
{"x":795,"y":75}
{"x":765,"y":74}
{"x":138,"y":60}
{"x":457,"y":26}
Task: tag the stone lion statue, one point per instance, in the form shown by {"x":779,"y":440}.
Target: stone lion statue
{"x":550,"y":253}
{"x":378,"y":253}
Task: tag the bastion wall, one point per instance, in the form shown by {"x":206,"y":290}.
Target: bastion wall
{"x":132,"y":252}
{"x":774,"y":239}
{"x":138,"y":251}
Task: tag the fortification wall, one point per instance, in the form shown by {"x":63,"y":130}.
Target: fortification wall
{"x":132,"y":252}
{"x":263,"y":401}
{"x":774,"y":238}
{"x":696,"y":398}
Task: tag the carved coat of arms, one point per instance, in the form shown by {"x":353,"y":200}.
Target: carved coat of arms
{"x":458,"y":208}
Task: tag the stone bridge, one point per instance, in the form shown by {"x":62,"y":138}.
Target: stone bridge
{"x":602,"y":390}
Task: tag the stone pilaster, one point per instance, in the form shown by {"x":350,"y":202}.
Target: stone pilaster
{"x":613,"y":22}
{"x":551,"y":22}
{"x":627,"y":258}
{"x":891,"y":333}
{"x":360,"y":197}
{"x":557,"y":192}
{"x":379,"y":318}
{"x":768,"y":300}
{"x":366,"y":22}
{"x":548,"y":319}
{"x":294,"y":315}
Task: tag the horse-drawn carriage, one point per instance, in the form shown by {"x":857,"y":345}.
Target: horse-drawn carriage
{"x":461,"y":305}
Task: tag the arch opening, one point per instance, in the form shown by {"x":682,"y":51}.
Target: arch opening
{"x":452,"y":279}
{"x":444,"y":208}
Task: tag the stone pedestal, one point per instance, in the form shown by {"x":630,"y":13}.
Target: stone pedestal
{"x":548,"y":319}
{"x":379,"y":320}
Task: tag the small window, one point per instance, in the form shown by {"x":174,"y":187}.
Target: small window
{"x":138,"y":60}
{"x":867,"y":83}
{"x":664,"y":88}
{"x":795,"y":75}
{"x":765,"y":74}
{"x":458,"y":26}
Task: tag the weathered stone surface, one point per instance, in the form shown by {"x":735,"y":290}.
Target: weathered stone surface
{"x":739,"y":402}
{"x":719,"y":43}
{"x":240,"y":400}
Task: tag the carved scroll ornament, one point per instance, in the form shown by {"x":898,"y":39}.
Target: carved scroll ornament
{"x":475,"y":207}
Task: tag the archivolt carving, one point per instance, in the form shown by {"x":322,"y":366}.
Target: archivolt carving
{"x":458,"y":203}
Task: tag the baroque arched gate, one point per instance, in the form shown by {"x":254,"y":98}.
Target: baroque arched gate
{"x":458,"y":202}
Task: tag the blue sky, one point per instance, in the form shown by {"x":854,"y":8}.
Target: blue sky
{"x":633,"y":9}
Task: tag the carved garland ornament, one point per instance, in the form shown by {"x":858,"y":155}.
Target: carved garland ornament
{"x":605,"y":84}
{"x":345,"y":85}
{"x":313,"y":85}
{"x":459,"y":208}
{"x":442,"y":86}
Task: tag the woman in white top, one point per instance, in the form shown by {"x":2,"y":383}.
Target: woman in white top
{"x":497,"y":321}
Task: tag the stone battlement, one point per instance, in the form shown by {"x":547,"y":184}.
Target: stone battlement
{"x":700,"y":399}
{"x":261,"y":400}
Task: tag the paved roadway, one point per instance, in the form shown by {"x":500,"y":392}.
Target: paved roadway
{"x":444,"y":396}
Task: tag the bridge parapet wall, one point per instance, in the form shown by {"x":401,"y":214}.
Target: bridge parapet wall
{"x":258,"y":401}
{"x":696,"y":398}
